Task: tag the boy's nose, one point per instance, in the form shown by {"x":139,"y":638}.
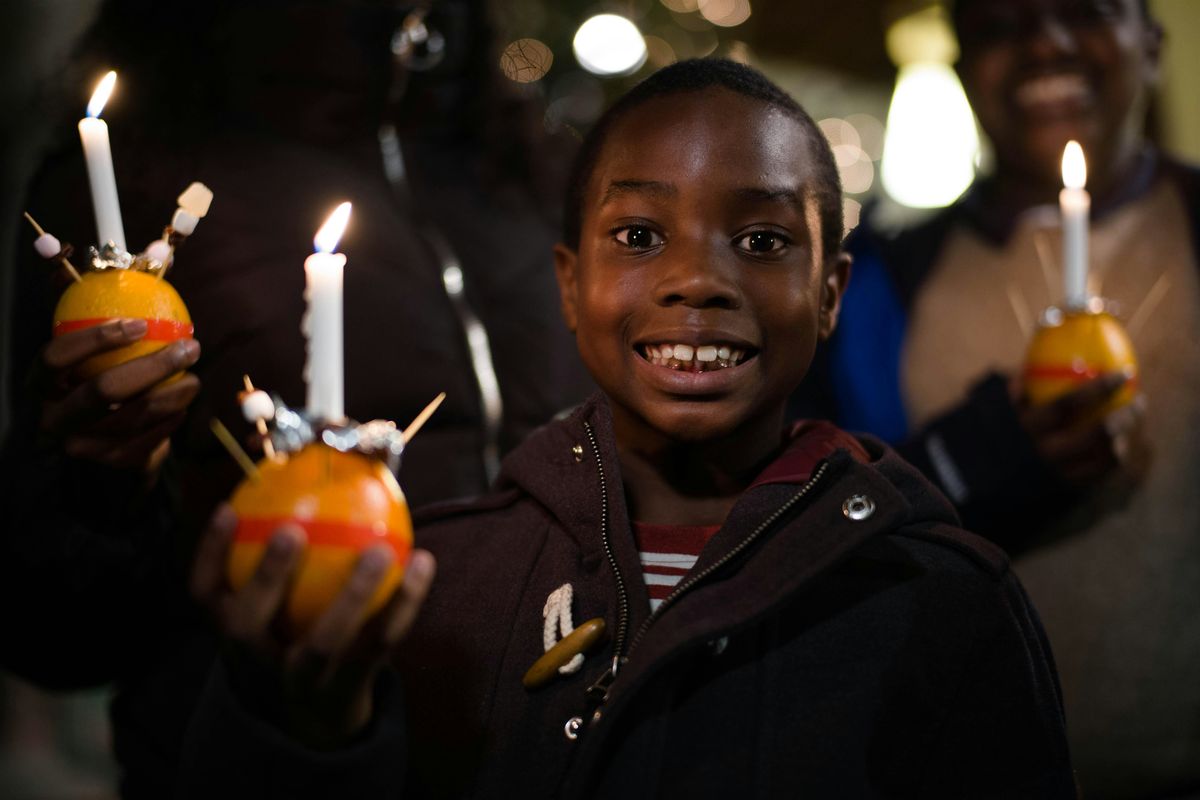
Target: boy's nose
{"x":696,"y":277}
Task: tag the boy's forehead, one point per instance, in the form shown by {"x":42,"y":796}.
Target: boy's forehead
{"x":713,"y":136}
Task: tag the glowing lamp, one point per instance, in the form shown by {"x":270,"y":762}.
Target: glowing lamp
{"x":930,"y":145}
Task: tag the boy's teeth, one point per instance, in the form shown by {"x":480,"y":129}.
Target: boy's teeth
{"x":694,"y":359}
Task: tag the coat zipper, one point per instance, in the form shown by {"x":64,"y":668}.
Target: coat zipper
{"x":741,"y":547}
{"x":597,"y":693}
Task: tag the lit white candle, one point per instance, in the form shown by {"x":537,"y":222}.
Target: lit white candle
{"x":93,"y":132}
{"x":1075,"y":204}
{"x":323,"y":323}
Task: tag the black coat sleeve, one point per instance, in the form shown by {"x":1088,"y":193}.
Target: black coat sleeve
{"x":981,"y":458}
{"x":90,"y":576}
{"x":1004,"y":735}
{"x":232,"y":751}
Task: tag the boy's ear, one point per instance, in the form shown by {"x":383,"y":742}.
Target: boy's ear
{"x":565,"y":261}
{"x":833,"y":286}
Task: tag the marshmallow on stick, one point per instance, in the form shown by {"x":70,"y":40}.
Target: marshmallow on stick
{"x":49,"y":248}
{"x":258,"y":407}
{"x":193,"y":207}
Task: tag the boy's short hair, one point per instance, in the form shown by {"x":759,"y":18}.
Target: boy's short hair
{"x":695,"y":75}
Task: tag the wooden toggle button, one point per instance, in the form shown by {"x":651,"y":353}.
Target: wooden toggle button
{"x":577,"y":641}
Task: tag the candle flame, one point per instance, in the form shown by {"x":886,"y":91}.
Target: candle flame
{"x":327,"y":238}
{"x":1074,"y":166}
{"x":99,"y":97}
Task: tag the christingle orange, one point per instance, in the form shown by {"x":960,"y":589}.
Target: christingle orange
{"x":336,"y":482}
{"x":121,"y":285}
{"x":345,"y":502}
{"x":108,"y":294}
{"x":1074,"y":347}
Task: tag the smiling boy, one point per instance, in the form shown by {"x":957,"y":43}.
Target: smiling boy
{"x":830,"y":631}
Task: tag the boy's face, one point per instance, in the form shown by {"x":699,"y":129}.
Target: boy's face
{"x":1041,"y":72}
{"x":700,"y":234}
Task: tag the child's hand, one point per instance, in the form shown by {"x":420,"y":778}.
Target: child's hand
{"x":1084,"y":447}
{"x":322,"y":680}
{"x":122,"y":417}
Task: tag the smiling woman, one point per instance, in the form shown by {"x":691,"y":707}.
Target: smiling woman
{"x":1095,"y":497}
{"x":1039,"y":74}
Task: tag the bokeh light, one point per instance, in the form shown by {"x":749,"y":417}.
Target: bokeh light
{"x":691,"y":22}
{"x":854,"y":167}
{"x":681,"y":6}
{"x":839,"y":132}
{"x":725,"y":13}
{"x":851,"y":213}
{"x":739,"y":52}
{"x":659,"y":52}
{"x":679,"y":40}
{"x":608,"y":44}
{"x":870,"y":134}
{"x":526,"y":60}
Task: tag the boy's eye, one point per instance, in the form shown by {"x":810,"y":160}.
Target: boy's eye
{"x":638,"y":237}
{"x":761,"y":242}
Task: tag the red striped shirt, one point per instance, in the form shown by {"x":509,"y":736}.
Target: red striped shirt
{"x":668,"y":552}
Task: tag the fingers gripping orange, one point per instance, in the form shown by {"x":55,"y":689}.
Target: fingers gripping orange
{"x":345,"y":502}
{"x":103,"y":295}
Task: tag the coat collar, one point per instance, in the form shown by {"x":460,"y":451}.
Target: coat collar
{"x":571,"y":468}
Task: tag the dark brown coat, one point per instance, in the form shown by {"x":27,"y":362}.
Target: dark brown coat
{"x":889,"y":656}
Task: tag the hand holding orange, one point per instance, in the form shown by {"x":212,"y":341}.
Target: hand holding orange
{"x":103,"y":295}
{"x":1075,"y":348}
{"x":345,"y":502}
